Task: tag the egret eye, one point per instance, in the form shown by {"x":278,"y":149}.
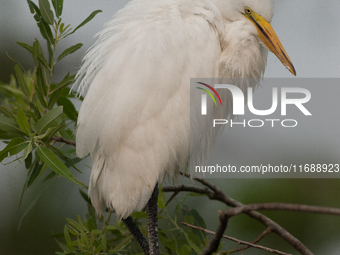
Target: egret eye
{"x":247,"y":10}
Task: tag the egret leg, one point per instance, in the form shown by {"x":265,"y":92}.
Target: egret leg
{"x":152,"y":216}
{"x":137,"y":234}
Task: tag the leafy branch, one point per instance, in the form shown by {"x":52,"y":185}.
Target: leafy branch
{"x":37,"y":112}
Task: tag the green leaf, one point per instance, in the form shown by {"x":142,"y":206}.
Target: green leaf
{"x":74,"y":224}
{"x":50,"y":54}
{"x":42,"y":190}
{"x":21,"y":80}
{"x":9,"y":125}
{"x":53,"y":99}
{"x":53,"y":162}
{"x":23,"y":121}
{"x":195,"y":237}
{"x":27,"y":151}
{"x":14,"y":61}
{"x":199,"y":219}
{"x":36,"y":172}
{"x":46,"y":11}
{"x":17,"y":93}
{"x":65,"y":82}
{"x":45,"y":29}
{"x":85,"y":196}
{"x":69,"y":51}
{"x":185,"y":250}
{"x":36,"y":111}
{"x":68,"y":238}
{"x":84,"y":238}
{"x":139,"y":215}
{"x":67,"y":133}
{"x":61,"y":28}
{"x":69,"y":108}
{"x":31,"y":6}
{"x":28,"y":161}
{"x":60,"y":154}
{"x":103,"y":243}
{"x":161,"y":198}
{"x":88,"y":19}
{"x":26,"y":46}
{"x":51,"y":119}
{"x":39,"y":52}
{"x":52,"y":133}
{"x":188,"y":219}
{"x":92,"y":215}
{"x":192,"y":245}
{"x":41,"y":56}
{"x":35,"y":54}
{"x":42,"y":136}
{"x":7,"y":112}
{"x":41,"y":87}
{"x":170,"y":244}
{"x":123,"y":243}
{"x":64,"y":247}
{"x":14,"y":147}
{"x":81,"y":223}
{"x":8,"y":136}
{"x":58,"y":7}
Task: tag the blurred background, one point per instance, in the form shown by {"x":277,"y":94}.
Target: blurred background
{"x":309,"y":31}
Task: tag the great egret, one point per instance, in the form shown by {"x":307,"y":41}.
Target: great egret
{"x":134,"y":120}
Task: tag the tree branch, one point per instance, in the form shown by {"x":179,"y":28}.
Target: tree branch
{"x":226,"y":215}
{"x":63,"y":140}
{"x":236,"y":240}
{"x":281,"y":207}
{"x":215,"y":193}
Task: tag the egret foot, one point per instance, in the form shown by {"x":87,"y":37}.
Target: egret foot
{"x":152,"y":216}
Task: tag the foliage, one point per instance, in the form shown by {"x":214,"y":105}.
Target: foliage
{"x":84,"y":236}
{"x":37,"y":121}
{"x":36,"y":110}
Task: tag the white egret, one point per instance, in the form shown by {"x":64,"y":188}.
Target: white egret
{"x":134,"y":120}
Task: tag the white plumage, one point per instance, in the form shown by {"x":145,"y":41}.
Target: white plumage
{"x":134,"y":120}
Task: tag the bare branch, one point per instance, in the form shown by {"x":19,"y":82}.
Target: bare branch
{"x":185,"y":188}
{"x":215,"y":193}
{"x":63,"y":140}
{"x":281,"y":207}
{"x":226,"y":215}
{"x":215,"y":241}
{"x":237,"y":241}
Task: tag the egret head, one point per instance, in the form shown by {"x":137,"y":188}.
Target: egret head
{"x":258,"y":14}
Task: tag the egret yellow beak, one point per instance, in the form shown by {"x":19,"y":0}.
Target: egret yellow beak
{"x":268,"y":36}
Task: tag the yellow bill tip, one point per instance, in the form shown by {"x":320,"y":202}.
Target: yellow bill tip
{"x":268,"y":36}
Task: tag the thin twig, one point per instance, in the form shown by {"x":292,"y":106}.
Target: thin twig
{"x":257,"y":240}
{"x":237,"y":240}
{"x":63,"y":140}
